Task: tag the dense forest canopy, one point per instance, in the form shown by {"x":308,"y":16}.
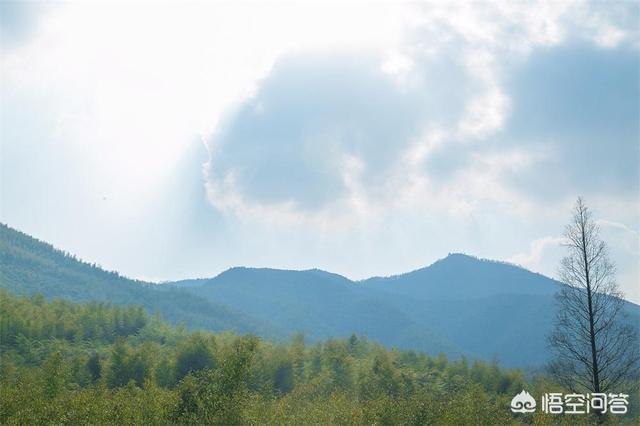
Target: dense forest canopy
{"x":69,"y":363}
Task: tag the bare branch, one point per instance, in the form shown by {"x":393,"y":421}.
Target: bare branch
{"x":594,"y":346}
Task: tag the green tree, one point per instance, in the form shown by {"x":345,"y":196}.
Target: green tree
{"x":54,"y":374}
{"x":194,"y":354}
{"x":94,"y":366}
{"x":119,"y":371}
{"x":218,"y":396}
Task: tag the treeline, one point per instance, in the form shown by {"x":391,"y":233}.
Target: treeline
{"x":34,"y":318}
{"x":29,"y":266}
{"x":66,"y":363}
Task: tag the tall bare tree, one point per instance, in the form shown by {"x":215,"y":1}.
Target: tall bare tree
{"x":595,"y":345}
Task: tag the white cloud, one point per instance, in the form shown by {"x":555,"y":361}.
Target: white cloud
{"x":626,"y":238}
{"x":130,"y":100}
{"x":129,"y":86}
{"x":484,"y":37}
{"x":544,"y":255}
{"x":533,"y":259}
{"x":130,"y":91}
{"x":617,"y":225}
{"x":486,"y":111}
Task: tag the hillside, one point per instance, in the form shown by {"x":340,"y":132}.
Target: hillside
{"x":460,"y":305}
{"x":68,"y":363}
{"x":489,"y":309}
{"x":29,"y":266}
{"x":461,"y":277}
{"x":321,"y":305}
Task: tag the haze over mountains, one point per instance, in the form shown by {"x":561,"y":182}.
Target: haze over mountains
{"x":29,"y":266}
{"x":460,"y":305}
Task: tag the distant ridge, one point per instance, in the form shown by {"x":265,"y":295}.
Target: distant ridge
{"x":30,"y":266}
{"x":459,"y":305}
{"x":450,"y":256}
{"x":463,"y":276}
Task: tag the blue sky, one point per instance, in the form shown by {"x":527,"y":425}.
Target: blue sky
{"x":168,"y":140}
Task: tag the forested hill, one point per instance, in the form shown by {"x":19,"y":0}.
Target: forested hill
{"x":322,"y":305}
{"x":460,"y":305}
{"x":459,"y":276}
{"x":29,"y":266}
{"x":65,"y":363}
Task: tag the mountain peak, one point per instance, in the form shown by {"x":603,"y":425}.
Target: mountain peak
{"x":462,"y":276}
{"x":457,"y":257}
{"x":279,"y":276}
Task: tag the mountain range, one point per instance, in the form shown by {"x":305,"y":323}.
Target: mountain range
{"x":459,"y":305}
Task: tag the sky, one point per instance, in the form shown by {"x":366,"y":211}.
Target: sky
{"x":171,"y":140}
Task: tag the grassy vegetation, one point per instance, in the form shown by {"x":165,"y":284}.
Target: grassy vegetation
{"x":68,"y":363}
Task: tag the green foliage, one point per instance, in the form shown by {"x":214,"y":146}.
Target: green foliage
{"x":94,"y":366}
{"x":128,"y":365}
{"x":194,"y":354}
{"x":218,"y":396}
{"x":33,"y":318}
{"x":137,"y":370}
{"x":30,"y":267}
